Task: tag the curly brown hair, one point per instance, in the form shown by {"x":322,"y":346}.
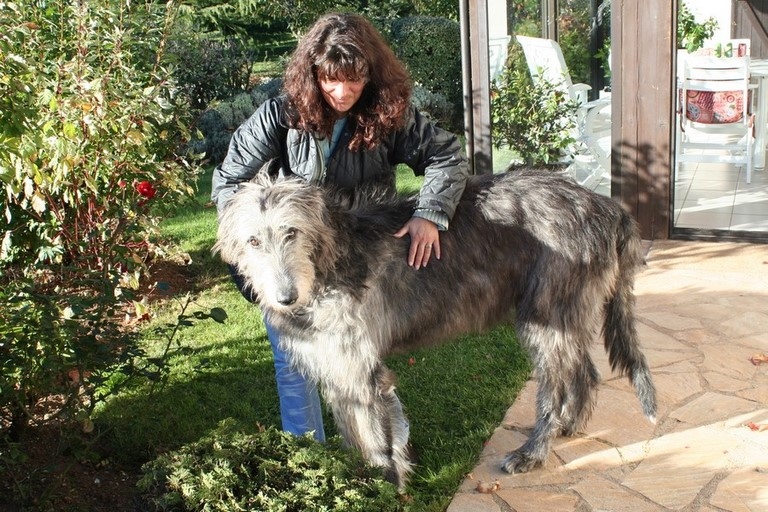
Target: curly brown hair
{"x":345,"y":46}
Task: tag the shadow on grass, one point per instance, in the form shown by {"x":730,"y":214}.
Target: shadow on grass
{"x":232,"y":379}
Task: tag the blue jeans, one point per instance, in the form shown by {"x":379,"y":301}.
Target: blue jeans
{"x":300,"y":409}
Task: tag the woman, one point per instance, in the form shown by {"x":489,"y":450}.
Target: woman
{"x":345,"y":119}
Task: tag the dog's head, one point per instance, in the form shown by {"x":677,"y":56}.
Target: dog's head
{"x":276,"y":232}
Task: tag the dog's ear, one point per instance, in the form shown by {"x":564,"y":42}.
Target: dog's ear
{"x":268,"y":173}
{"x":271,"y":168}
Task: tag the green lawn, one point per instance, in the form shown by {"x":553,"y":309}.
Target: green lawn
{"x":455,"y":395}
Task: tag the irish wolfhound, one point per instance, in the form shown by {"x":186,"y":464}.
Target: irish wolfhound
{"x":529,"y":248}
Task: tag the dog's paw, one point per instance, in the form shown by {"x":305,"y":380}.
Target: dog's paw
{"x":519,"y":462}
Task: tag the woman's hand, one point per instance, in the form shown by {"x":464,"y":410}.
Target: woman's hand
{"x":425,"y":238}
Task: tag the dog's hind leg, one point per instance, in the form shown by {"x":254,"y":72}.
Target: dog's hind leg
{"x":373,"y":422}
{"x":580,"y":394}
{"x":545,"y":345}
{"x":580,"y":376}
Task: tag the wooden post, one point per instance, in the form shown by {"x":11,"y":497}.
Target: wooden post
{"x":642,"y":113}
{"x":549,"y":19}
{"x":477,"y":93}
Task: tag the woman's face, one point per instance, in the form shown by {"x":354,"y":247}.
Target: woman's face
{"x":341,"y":95}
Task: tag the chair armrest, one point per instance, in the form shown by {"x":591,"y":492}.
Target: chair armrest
{"x":579,"y":90}
{"x":599,"y":103}
{"x":596,"y":117}
{"x":582,"y":87}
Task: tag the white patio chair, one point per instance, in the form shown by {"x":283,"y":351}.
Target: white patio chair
{"x":545,"y":61}
{"x":715,"y":113}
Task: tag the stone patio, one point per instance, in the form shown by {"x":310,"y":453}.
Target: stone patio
{"x":702,"y":311}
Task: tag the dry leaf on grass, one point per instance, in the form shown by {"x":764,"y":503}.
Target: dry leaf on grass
{"x":759,"y":359}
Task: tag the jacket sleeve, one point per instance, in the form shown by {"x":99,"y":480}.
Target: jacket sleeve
{"x":254,"y":143}
{"x":438,"y":156}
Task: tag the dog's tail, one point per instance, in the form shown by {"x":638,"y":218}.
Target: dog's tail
{"x":619,"y":331}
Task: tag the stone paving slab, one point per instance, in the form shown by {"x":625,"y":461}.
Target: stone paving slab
{"x":702,"y":313}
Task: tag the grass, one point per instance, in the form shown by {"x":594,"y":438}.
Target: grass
{"x":455,"y":395}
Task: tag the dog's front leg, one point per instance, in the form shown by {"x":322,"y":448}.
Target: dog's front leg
{"x":371,"y":419}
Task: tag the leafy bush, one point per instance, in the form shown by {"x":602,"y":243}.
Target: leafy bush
{"x":431,"y":50}
{"x":691,"y":34}
{"x":537,"y":121}
{"x":90,"y":137}
{"x":221,"y":119}
{"x":435,"y":105}
{"x":574,"y":24}
{"x":271,"y":471}
{"x":209,"y":67}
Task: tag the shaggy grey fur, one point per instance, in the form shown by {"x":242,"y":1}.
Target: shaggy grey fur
{"x":530,"y":248}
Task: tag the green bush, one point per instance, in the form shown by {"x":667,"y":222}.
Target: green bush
{"x":269,"y":471}
{"x":209,"y":67}
{"x":537,"y":121}
{"x":435,"y":105}
{"x":691,"y":34}
{"x":220,"y":120}
{"x":431,"y":50}
{"x":90,"y":161}
{"x":574,"y":23}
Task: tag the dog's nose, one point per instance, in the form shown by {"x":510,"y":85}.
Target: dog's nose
{"x":287,"y":298}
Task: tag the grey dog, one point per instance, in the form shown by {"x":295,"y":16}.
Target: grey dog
{"x":530,"y":248}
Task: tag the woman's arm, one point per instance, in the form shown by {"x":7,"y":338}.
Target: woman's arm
{"x":255,"y":142}
{"x":438,"y":156}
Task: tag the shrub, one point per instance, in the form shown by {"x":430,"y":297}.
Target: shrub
{"x":90,"y":137}
{"x":435,"y":105}
{"x":537,"y":121}
{"x":219,"y":121}
{"x":431,"y":50}
{"x":691,"y":34}
{"x":209,"y":68}
{"x":270,"y":470}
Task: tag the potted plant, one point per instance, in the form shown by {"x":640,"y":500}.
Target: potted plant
{"x":691,"y":34}
{"x":535,"y":120}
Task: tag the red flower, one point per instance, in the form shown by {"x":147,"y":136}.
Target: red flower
{"x":146,"y":189}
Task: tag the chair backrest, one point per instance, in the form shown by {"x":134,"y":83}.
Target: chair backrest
{"x":545,"y":60}
{"x":498,"y":48}
{"x":715,"y":90}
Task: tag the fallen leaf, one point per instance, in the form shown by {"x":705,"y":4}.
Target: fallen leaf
{"x":488,"y":487}
{"x":406,"y":498}
{"x":759,"y":359}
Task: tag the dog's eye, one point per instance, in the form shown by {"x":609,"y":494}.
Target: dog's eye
{"x":290,"y":234}
{"x":254,"y":242}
